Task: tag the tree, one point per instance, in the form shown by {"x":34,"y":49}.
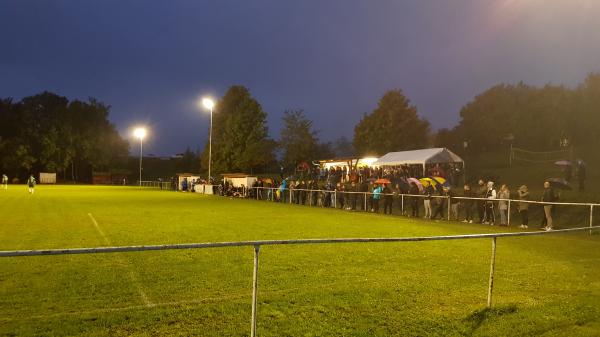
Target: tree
{"x":240,"y":135}
{"x":46,"y":132}
{"x":343,"y":147}
{"x":393,"y":126}
{"x":298,"y":140}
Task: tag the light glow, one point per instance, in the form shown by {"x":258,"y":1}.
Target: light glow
{"x":208,"y":103}
{"x":139,"y":133}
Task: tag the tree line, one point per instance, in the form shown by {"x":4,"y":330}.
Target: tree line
{"x":47,"y":132}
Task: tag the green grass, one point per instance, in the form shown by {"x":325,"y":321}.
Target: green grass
{"x":544,"y":286}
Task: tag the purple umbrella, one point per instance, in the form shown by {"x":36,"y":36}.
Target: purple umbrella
{"x":415,"y":181}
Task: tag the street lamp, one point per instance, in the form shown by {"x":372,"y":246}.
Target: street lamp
{"x":209,"y":104}
{"x":140,"y":133}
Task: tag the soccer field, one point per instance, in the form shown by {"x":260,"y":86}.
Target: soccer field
{"x":544,"y":285}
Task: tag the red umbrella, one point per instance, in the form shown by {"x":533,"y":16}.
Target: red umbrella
{"x":382,"y":181}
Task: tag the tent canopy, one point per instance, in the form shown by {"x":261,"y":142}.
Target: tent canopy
{"x":437,"y":155}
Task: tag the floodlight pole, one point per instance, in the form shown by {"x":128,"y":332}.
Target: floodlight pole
{"x":210,"y":143}
{"x":141,"y":146}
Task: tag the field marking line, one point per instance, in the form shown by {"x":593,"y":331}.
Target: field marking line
{"x":134,"y":279}
{"x":98,"y":229}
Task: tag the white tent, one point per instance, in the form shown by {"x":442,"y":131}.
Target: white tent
{"x":422,"y":157}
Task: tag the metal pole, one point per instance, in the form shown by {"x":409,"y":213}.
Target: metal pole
{"x":492,"y":267}
{"x":254,"y":291}
{"x":141,"y":146}
{"x":210,"y":144}
{"x":591,"y":217}
{"x":508,"y":219}
{"x":402,"y":203}
{"x":334,"y":198}
{"x":365,"y":203}
{"x":448,"y":205}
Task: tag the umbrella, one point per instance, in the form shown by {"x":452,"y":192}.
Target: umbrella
{"x":416,"y":182}
{"x":438,"y":180}
{"x":563,"y":163}
{"x":267,"y":180}
{"x":428,"y":181}
{"x":382,"y":181}
{"x":559,"y":183}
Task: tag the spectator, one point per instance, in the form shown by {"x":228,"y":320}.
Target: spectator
{"x":548,"y":196}
{"x":387,"y":199}
{"x":427,"y":201}
{"x":524,"y":206}
{"x":376,"y":196}
{"x":481,"y":193}
{"x":453,"y":203}
{"x":414,"y":190}
{"x":353,"y":195}
{"x":489,"y":216}
{"x":468,"y":203}
{"x":340,"y":195}
{"x":440,"y":203}
{"x":504,"y":193}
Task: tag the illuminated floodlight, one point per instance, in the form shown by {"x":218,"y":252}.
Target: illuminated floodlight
{"x":139,"y":133}
{"x":208,"y":103}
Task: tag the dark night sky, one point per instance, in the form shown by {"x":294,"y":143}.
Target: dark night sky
{"x":152,"y":60}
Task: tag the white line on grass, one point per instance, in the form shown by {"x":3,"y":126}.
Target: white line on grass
{"x":134,"y":279}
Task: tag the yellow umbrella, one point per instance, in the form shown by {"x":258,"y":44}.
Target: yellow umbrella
{"x":439,"y":180}
{"x":428,"y":181}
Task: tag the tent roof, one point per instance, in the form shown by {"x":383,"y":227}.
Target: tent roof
{"x":237,"y":175}
{"x":425,"y":156}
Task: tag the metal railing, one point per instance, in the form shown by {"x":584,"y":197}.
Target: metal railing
{"x":257,"y":244}
{"x":162,"y":185}
{"x":311,"y":194}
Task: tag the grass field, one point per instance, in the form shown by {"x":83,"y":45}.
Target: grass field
{"x":544,"y":286}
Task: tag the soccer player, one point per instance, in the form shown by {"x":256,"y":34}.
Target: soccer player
{"x":5,"y":181}
{"x":31,"y":184}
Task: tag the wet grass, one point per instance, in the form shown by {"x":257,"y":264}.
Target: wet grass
{"x":546,"y":286}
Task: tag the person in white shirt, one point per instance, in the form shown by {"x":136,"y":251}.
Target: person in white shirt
{"x":489,"y":217}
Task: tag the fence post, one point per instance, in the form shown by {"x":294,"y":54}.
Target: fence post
{"x":492,"y":267}
{"x":290,"y":195}
{"x":334,"y":198}
{"x":402,"y":202}
{"x":365,"y":203}
{"x":508,"y":219}
{"x":254,"y":291}
{"x":310,"y":192}
{"x":591,"y":217}
{"x":448,"y":205}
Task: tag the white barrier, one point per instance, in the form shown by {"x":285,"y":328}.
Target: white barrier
{"x":257,"y":244}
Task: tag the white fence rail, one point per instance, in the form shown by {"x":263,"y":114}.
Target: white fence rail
{"x":257,"y":244}
{"x":162,"y":185}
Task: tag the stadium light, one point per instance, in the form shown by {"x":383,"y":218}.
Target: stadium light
{"x":209,"y":104}
{"x":141,"y":134}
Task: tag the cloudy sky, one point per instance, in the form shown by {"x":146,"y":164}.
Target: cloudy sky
{"x":152,"y":60}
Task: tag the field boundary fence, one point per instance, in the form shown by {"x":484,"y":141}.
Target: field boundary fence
{"x":256,"y":245}
{"x":161,"y":185}
{"x":311,"y":197}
